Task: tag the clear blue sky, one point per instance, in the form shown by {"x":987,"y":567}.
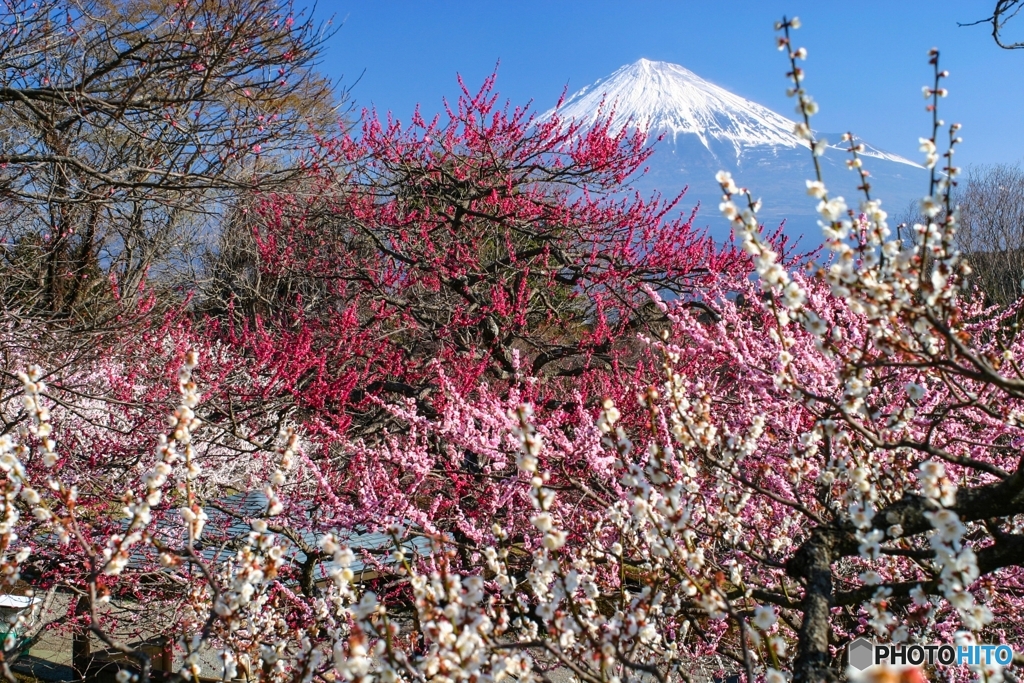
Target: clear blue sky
{"x":866,"y":66}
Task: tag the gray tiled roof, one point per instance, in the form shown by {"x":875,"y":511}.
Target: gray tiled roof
{"x":230,"y":520}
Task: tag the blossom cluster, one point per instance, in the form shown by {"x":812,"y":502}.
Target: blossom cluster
{"x":828,"y":450}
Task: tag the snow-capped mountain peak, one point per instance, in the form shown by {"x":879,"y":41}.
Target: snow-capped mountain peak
{"x":665,"y":98}
{"x":705,"y":129}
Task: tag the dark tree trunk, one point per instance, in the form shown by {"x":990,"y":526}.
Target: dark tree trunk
{"x":81,"y":646}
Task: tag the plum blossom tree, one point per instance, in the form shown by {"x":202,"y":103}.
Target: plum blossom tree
{"x":485,"y":239}
{"x":102,"y":393}
{"x":834,"y":453}
{"x":866,"y":407}
{"x":103,"y":404}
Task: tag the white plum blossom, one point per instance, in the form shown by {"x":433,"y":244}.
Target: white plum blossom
{"x":764,"y":618}
{"x":816,"y":189}
{"x":833,"y":209}
{"x":914,"y":391}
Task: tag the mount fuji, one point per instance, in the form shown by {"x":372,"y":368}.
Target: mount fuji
{"x":704,"y":128}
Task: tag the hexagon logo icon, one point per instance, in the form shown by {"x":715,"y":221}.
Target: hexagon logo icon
{"x":861,"y":653}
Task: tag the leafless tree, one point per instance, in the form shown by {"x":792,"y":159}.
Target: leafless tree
{"x":991,"y":229}
{"x":127,"y":127}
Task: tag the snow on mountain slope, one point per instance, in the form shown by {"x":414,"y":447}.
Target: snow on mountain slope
{"x":667,"y":99}
{"x":705,"y":128}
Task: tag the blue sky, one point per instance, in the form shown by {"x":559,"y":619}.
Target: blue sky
{"x":866,"y":65}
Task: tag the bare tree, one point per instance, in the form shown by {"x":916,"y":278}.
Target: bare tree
{"x":125,"y":126}
{"x":992,"y":230}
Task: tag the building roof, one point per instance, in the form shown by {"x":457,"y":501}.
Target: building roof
{"x":230,"y":523}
